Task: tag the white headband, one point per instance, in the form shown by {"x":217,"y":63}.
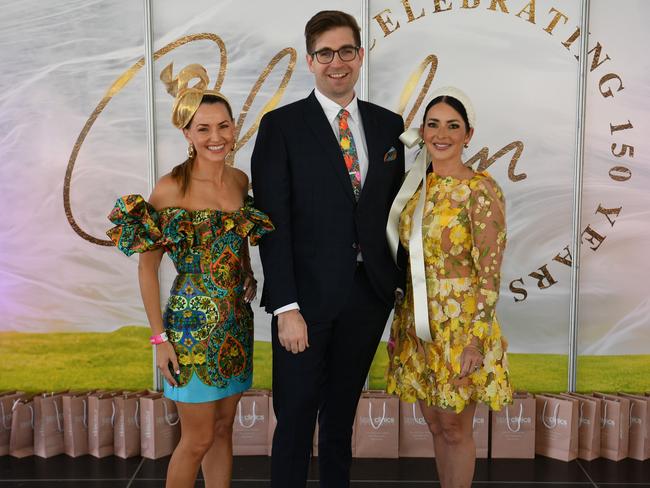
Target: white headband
{"x":459,"y":95}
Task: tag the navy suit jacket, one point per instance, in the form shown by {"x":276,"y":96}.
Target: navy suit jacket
{"x":300,"y":180}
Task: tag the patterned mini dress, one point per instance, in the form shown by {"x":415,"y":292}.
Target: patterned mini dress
{"x":207,"y":320}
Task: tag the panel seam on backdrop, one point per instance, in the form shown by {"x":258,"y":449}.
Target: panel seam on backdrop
{"x":151,"y":135}
{"x":577,"y":196}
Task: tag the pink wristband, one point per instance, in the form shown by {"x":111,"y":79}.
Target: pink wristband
{"x":158,"y":339}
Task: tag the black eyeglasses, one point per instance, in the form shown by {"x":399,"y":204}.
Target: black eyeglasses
{"x":326,"y":55}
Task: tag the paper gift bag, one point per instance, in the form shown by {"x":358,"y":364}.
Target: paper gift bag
{"x":377,"y":426}
{"x":126,"y":428}
{"x":7,"y":400}
{"x":21,"y":438}
{"x":589,"y":415}
{"x":75,"y":423}
{"x":48,"y":425}
{"x":101,"y":418}
{"x":271,"y":425}
{"x":513,"y":428}
{"x":415,"y":438}
{"x":556,"y":427}
{"x":251,"y":426}
{"x":615,"y":427}
{"x":639,"y":444}
{"x":159,"y":426}
{"x":481,"y":427}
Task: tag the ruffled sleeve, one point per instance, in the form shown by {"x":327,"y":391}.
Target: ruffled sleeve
{"x":136,"y":225}
{"x":488,"y":227}
{"x":253,"y":223}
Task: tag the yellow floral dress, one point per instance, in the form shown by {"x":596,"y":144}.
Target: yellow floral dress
{"x":464,"y":238}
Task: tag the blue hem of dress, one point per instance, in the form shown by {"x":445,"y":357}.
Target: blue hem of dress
{"x":195,"y":391}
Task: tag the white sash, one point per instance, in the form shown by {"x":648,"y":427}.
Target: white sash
{"x":416,"y":175}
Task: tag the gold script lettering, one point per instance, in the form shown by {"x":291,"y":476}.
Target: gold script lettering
{"x":412,"y":83}
{"x":270,"y":105}
{"x":554,"y":21}
{"x":409,"y":11}
{"x":530,"y":10}
{"x":126,"y":77}
{"x":485,"y":161}
{"x":386,"y":23}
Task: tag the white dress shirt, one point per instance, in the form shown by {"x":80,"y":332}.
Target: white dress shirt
{"x":332,"y":109}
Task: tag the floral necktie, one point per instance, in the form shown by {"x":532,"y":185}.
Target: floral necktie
{"x":349,"y":150}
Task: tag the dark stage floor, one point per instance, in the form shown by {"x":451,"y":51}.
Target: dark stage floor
{"x":253,"y":472}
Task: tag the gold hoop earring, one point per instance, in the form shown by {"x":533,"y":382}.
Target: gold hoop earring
{"x":191,"y":151}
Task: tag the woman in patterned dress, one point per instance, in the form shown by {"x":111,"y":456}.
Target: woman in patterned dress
{"x":460,"y":360}
{"x":201,"y":216}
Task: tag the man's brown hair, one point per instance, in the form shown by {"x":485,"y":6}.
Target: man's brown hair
{"x":327,"y":20}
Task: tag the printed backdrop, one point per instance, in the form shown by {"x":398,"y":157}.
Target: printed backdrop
{"x":66,"y":157}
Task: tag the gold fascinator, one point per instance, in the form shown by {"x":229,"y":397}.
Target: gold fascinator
{"x":187,"y":98}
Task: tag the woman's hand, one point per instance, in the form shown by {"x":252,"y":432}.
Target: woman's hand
{"x":165,"y":355}
{"x":250,"y":286}
{"x":471,"y":360}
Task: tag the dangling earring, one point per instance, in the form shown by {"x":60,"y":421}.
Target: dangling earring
{"x":190,"y":151}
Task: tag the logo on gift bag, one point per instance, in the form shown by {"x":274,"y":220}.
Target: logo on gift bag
{"x":253,"y":417}
{"x":607,"y":422}
{"x":556,"y":421}
{"x":636,"y":420}
{"x":377,"y":422}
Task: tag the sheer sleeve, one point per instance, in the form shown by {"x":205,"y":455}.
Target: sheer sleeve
{"x":488,"y":227}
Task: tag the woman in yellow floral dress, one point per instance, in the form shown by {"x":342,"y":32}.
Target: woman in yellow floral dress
{"x":458,"y":358}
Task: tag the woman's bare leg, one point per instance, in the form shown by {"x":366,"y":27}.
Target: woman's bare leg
{"x":454,"y":444}
{"x":217,"y":462}
{"x":195,"y":441}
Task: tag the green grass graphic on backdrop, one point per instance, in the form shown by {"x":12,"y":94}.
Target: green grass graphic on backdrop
{"x":122,"y":360}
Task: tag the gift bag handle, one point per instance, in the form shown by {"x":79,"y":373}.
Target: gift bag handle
{"x":169,"y":422}
{"x":16,"y":402}
{"x":113,"y":413}
{"x":85,"y":417}
{"x":417,"y":419}
{"x":383,"y":416}
{"x":555,"y":412}
{"x":241,"y":419}
{"x":582,"y":416}
{"x":521,"y":412}
{"x":136,"y":417}
{"x":603,"y":420}
{"x":59,"y":427}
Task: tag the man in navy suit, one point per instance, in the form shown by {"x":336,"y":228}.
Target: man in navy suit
{"x":326,"y":170}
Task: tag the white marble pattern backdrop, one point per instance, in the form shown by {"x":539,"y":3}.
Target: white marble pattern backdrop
{"x":59,"y":58}
{"x":614,"y":287}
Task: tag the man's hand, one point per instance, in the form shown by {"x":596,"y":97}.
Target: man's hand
{"x":292,"y":331}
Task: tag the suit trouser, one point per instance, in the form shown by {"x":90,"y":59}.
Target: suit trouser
{"x":326,"y":379}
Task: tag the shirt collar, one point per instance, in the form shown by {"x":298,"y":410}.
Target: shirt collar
{"x":332,"y":109}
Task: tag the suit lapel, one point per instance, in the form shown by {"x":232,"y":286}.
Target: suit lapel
{"x":371,"y":132}
{"x":325,"y":138}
